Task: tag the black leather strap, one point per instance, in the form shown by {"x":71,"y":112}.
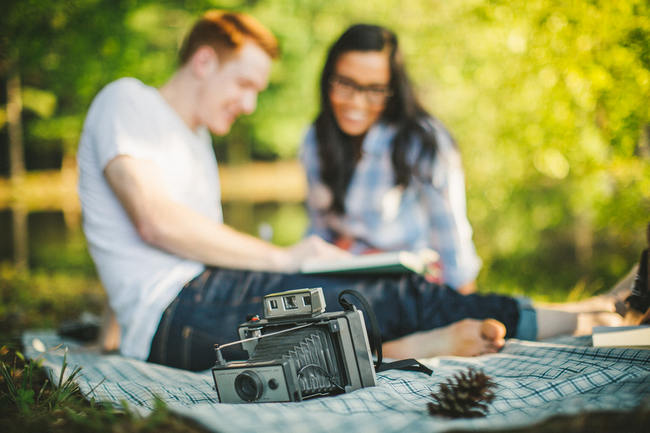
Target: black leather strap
{"x":405,"y":364}
{"x":374,"y":335}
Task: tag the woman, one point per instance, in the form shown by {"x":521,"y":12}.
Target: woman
{"x":383,"y":174}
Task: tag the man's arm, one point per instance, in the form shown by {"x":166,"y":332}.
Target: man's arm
{"x":175,"y":228}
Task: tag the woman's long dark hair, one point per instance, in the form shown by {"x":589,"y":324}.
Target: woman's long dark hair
{"x":337,"y":153}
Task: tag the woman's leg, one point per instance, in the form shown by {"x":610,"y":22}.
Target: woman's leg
{"x":420,"y":319}
{"x":209,"y":309}
{"x":468,"y":337}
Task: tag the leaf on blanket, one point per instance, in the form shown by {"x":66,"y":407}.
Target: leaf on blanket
{"x":464,"y":395}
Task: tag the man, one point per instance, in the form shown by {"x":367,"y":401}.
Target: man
{"x":179,"y":279}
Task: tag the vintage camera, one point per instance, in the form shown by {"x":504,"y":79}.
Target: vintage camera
{"x":297,"y":351}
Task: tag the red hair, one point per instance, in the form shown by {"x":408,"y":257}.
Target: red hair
{"x":226,"y":32}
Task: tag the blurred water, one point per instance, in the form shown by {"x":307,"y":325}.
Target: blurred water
{"x":54,"y":245}
{"x":550,"y":272}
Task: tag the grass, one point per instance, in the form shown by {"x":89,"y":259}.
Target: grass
{"x":43,"y":298}
{"x":31,"y":402}
{"x":28,"y":396}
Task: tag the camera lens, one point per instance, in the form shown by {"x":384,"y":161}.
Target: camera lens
{"x":248,"y":385}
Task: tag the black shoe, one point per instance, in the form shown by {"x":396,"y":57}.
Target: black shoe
{"x":639,"y":300}
{"x":85,"y":329}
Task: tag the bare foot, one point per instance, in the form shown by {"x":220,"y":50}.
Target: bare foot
{"x":467,"y":337}
{"x":633,"y":317}
{"x":612,"y":301}
{"x":473,"y":337}
{"x":602,"y":303}
{"x":586,"y":321}
{"x":645,"y":319}
{"x":623,"y":287}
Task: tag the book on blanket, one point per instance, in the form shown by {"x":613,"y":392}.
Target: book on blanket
{"x":425,"y":262}
{"x":622,"y":336}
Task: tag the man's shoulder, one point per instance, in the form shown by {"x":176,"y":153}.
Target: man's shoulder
{"x":122,"y":88}
{"x":125,"y":102}
{"x":124,"y":98}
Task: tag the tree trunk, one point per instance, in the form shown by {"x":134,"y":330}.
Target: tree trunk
{"x":15,"y":127}
{"x":20,"y":237}
{"x":17,"y":167}
{"x":70,"y":205}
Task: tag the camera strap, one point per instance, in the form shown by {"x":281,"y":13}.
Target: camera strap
{"x":374,"y":336}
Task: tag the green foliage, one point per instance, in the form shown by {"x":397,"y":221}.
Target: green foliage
{"x":43,"y":299}
{"x":30,"y":402}
{"x":58,"y":249}
{"x":27,"y":388}
{"x":286,"y":223}
{"x":548,"y":101}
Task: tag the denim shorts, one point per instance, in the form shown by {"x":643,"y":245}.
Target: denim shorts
{"x":209,"y":309}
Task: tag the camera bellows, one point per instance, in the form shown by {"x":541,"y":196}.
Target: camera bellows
{"x":296,"y":351}
{"x":311,"y":350}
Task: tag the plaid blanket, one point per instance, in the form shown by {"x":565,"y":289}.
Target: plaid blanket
{"x":535,"y":381}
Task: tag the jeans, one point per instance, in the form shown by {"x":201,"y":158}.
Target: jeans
{"x":209,"y":309}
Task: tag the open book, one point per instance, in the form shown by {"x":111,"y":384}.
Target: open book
{"x":622,"y":336}
{"x":425,"y":262}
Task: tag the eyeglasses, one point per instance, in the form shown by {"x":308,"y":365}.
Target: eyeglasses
{"x":345,"y":88}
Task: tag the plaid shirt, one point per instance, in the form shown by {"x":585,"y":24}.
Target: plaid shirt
{"x":381,"y":216}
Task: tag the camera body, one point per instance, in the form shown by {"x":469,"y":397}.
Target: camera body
{"x":297,"y":351}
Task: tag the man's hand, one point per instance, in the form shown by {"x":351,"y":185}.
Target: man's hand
{"x":313,"y":247}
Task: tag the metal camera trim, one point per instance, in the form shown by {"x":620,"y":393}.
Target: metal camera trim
{"x":301,"y":302}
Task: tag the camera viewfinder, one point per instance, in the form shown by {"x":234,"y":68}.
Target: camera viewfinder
{"x":290,"y":303}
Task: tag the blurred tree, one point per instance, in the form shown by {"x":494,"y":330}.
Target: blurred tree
{"x":567,"y":85}
{"x":548,"y":100}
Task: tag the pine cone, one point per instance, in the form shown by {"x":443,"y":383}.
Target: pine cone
{"x":464,"y":395}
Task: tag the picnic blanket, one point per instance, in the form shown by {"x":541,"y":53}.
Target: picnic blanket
{"x":536,"y":380}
